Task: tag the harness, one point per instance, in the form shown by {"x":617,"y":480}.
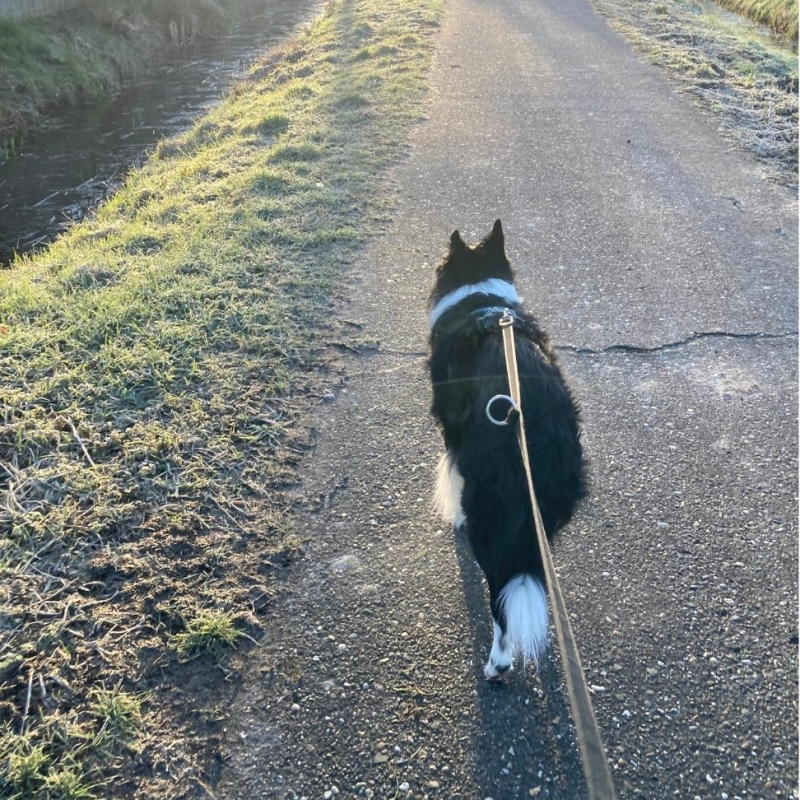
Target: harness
{"x":487,"y":318}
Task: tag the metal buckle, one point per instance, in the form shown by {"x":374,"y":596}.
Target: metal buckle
{"x":507,"y":319}
{"x":494,"y":420}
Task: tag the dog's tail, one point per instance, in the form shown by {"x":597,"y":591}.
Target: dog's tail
{"x":523,"y":602}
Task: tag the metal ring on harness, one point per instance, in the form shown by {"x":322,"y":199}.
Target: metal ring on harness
{"x":494,"y":420}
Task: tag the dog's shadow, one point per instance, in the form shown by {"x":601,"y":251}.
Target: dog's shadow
{"x":524,"y":738}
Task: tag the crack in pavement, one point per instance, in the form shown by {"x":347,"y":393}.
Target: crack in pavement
{"x":419,"y":355}
{"x":661,"y":348}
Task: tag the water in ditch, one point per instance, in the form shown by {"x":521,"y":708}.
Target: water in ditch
{"x":65,"y":169}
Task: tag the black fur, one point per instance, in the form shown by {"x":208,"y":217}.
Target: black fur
{"x":467,"y":368}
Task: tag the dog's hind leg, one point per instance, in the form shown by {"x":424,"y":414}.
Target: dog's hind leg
{"x":519,"y":611}
{"x":501,"y":656}
{"x":449,"y":487}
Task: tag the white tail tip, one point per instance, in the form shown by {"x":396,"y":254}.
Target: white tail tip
{"x":524,"y":603}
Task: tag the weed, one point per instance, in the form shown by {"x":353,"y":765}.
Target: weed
{"x":24,"y":766}
{"x":119,"y":714}
{"x":66,"y":784}
{"x":210,"y":633}
{"x":781,"y":16}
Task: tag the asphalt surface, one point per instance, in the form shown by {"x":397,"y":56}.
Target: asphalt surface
{"x":665,"y":269}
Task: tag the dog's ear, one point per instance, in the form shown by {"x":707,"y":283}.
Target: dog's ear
{"x":457,"y":243}
{"x":496,"y":239}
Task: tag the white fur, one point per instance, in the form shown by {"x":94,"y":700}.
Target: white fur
{"x":501,"y":657}
{"x":494,"y":287}
{"x":447,"y":495}
{"x":524,"y":602}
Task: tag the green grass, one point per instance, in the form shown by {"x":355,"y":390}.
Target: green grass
{"x":67,"y":758}
{"x":211,"y":632}
{"x":119,"y":712}
{"x":156,"y":367}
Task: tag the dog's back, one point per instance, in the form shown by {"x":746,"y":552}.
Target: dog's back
{"x":495,"y":495}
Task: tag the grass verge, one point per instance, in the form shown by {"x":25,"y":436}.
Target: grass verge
{"x":778,"y":15}
{"x":154,"y":364}
{"x":749,"y":83}
{"x":50,"y":61}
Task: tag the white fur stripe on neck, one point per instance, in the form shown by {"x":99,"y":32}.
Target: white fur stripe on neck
{"x":494,"y":287}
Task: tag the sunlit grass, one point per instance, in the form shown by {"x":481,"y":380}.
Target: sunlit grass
{"x":119,"y":714}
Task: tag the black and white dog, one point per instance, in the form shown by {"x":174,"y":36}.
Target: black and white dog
{"x":481,"y":483}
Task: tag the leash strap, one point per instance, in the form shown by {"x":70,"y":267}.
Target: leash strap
{"x":595,"y":763}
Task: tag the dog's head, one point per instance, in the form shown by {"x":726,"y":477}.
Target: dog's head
{"x":464,"y":265}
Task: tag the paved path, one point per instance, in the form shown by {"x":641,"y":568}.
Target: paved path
{"x":665,"y":270}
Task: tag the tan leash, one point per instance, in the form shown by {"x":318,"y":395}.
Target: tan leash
{"x":593,"y":755}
